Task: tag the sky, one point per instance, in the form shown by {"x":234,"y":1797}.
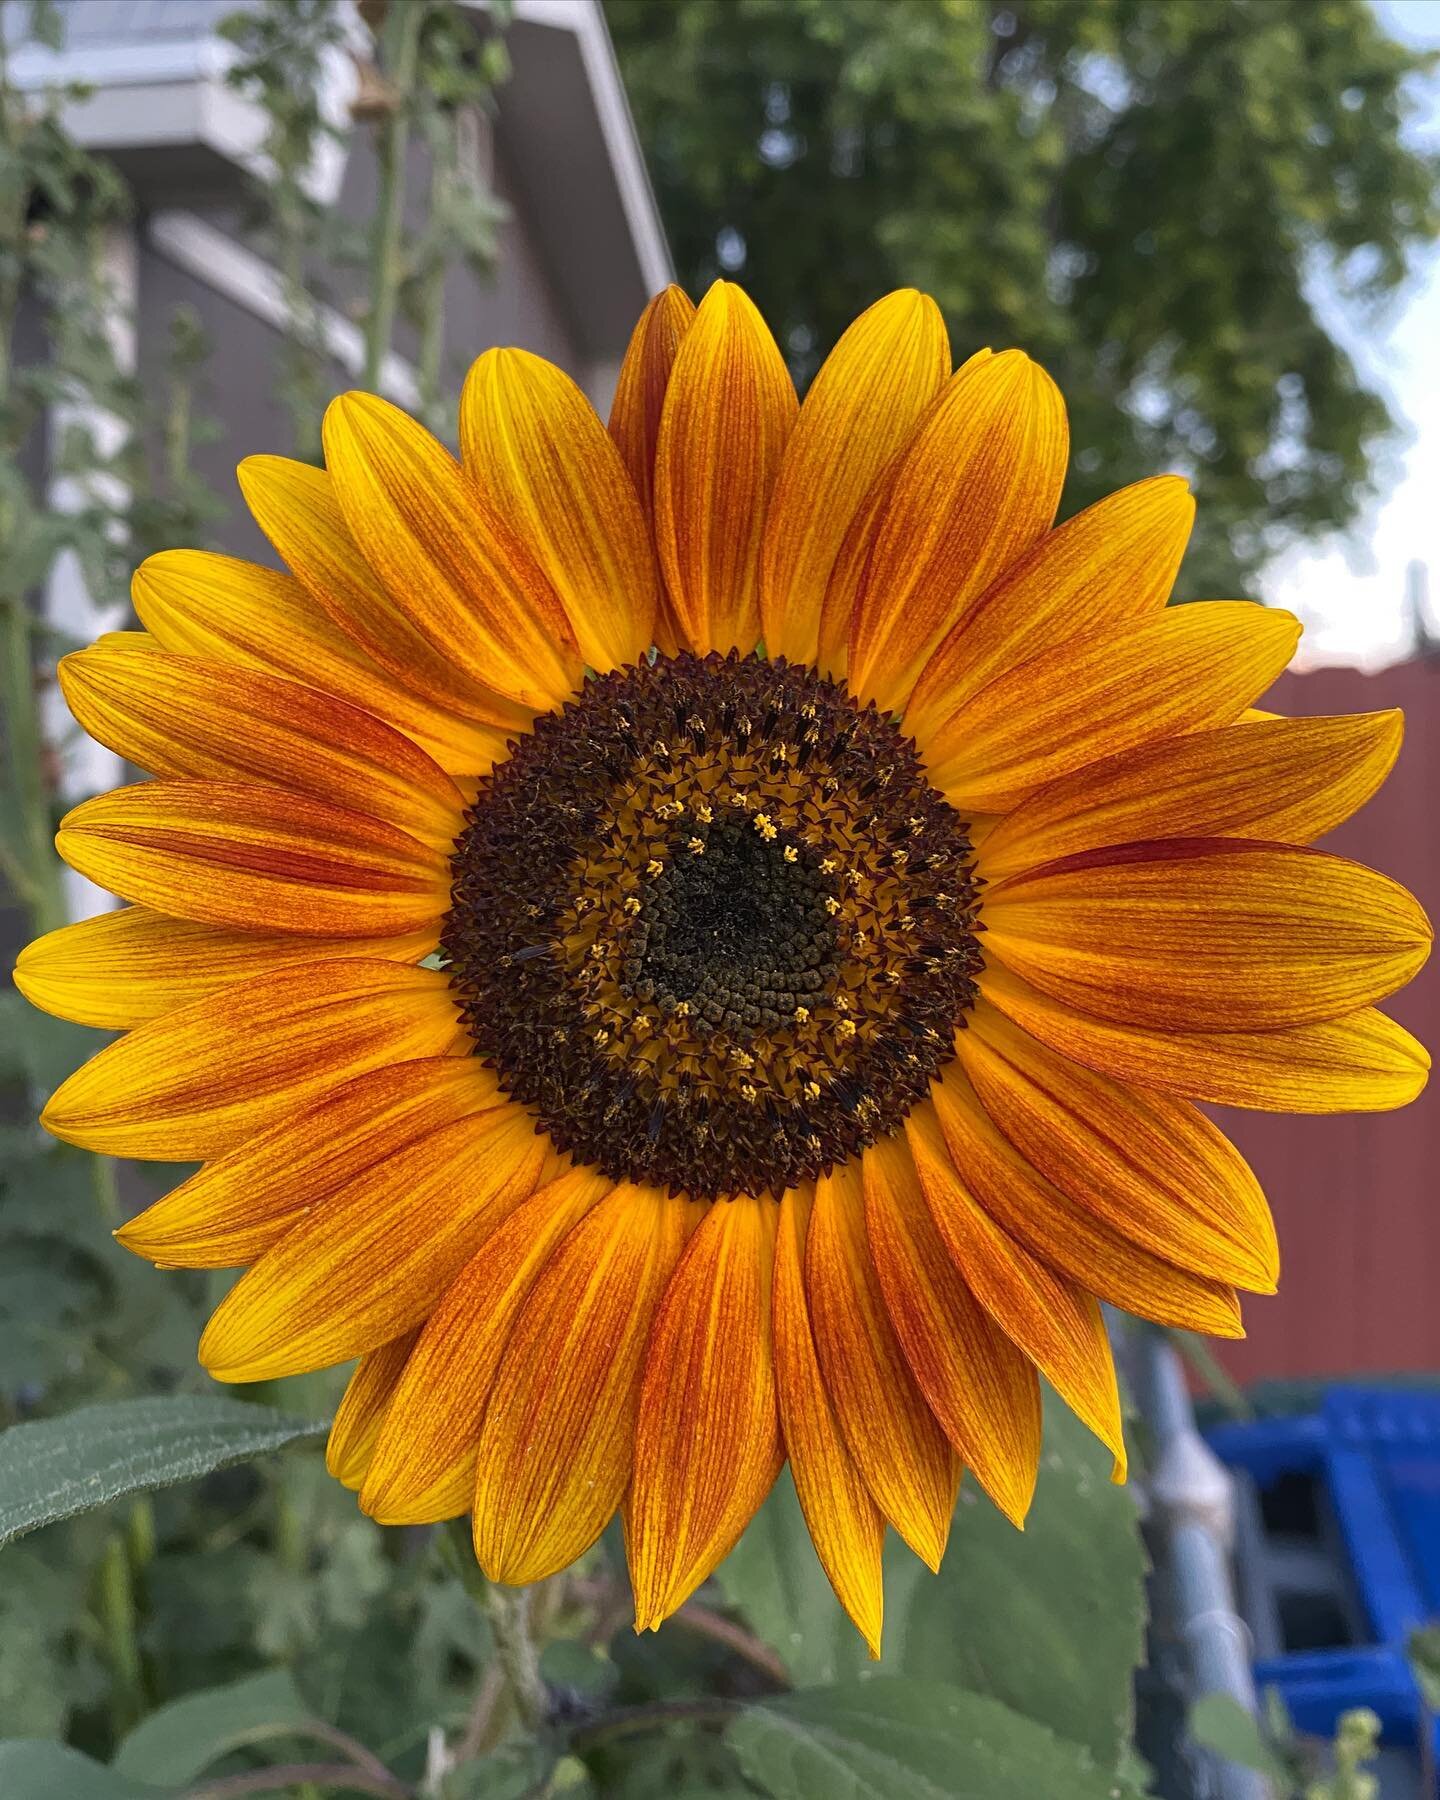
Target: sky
{"x":1350,"y":592}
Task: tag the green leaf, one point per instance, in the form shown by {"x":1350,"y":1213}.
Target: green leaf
{"x":1222,"y":1725}
{"x":874,"y":1740}
{"x":1050,"y":1620}
{"x":53,"y":1468}
{"x":178,"y":1742}
{"x":36,"y":1769}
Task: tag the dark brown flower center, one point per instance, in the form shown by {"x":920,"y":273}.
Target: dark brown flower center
{"x":712,"y":924}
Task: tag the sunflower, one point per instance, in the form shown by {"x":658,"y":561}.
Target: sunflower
{"x":697,"y":944}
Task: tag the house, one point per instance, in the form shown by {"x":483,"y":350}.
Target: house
{"x":581,"y":247}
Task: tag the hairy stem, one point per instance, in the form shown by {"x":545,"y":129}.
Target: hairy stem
{"x":400,"y":44}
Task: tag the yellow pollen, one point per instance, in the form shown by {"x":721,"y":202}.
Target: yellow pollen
{"x":654,"y":867}
{"x":844,"y":1028}
{"x":631,"y":905}
{"x":828,"y":865}
{"x":742,"y":1059}
{"x":832,"y":905}
{"x":765,"y":827}
{"x":696,"y":846}
{"x":791,"y":853}
{"x":704,"y":812}
{"x":811,"y":1090}
{"x":748,"y":1092}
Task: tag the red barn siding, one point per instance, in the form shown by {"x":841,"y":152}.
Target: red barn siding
{"x":1355,"y":1197}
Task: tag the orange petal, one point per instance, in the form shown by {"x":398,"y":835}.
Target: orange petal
{"x":1290,"y":779}
{"x":707,"y":1438}
{"x":889,"y":1430}
{"x":1111,"y":564}
{"x":424,"y":1465}
{"x":1363,"y":1062}
{"x":1200,"y":934}
{"x":861,"y":408}
{"x":232,"y":1210}
{"x":635,"y":414}
{"x":844,"y":1523}
{"x":374,"y":1260}
{"x":533,"y":443}
{"x":556,"y":1445}
{"x":256,"y":859}
{"x":131,"y":965}
{"x":1183,"y":669}
{"x":642,"y":385}
{"x":199,"y":1081}
{"x":226,"y":611}
{"x":172,"y":715}
{"x":1151,"y":1166}
{"x":977,"y":487}
{"x":356,"y":1425}
{"x":1056,"y":1323}
{"x":298,"y":508}
{"x":982,"y":1390}
{"x":1067,"y":1235}
{"x":453,"y":567}
{"x":728,"y":411}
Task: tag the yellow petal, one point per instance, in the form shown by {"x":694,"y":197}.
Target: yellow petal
{"x":237,"y":613}
{"x":1055,"y":1322}
{"x":172,"y":715}
{"x":128,"y":966}
{"x":453,"y":567}
{"x":976,"y":488}
{"x":1109,"y":565}
{"x":362,"y":1409}
{"x":844,"y":1522}
{"x":861,"y":408}
{"x":556,"y":1445}
{"x":1180,"y":670}
{"x":1363,"y":1062}
{"x":642,"y":384}
{"x":1290,"y":780}
{"x":635,"y":415}
{"x":374,"y":1259}
{"x":889,"y":1430}
{"x":982,"y":1390}
{"x":424,"y":1464}
{"x":538,"y":452}
{"x":256,"y":859}
{"x":1152,"y":1166}
{"x":1208,"y":934}
{"x":707,"y":1437}
{"x":1067,"y":1235}
{"x":728,"y":411}
{"x":199,"y":1081}
{"x":232,"y":1210}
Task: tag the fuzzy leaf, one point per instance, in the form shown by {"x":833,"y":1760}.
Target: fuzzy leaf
{"x":872,"y":1740}
{"x":53,"y":1468}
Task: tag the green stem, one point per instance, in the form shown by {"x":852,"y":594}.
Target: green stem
{"x":508,"y":1610}
{"x":117,"y":1624}
{"x":400,"y":45}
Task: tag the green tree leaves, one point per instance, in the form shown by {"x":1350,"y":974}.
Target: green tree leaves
{"x":1146,"y":196}
{"x":53,"y":1468}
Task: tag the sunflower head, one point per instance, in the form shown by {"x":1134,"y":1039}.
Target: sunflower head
{"x":695,"y":944}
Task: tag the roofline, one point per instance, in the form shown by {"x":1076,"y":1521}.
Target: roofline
{"x":586,"y":20}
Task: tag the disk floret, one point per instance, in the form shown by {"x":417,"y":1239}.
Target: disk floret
{"x":713,"y":925}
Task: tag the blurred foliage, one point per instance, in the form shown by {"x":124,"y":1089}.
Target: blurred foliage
{"x":1148,"y":195}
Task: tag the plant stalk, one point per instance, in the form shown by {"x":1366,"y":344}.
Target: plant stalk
{"x":400,"y":43}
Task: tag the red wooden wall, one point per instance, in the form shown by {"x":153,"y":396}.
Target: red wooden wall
{"x":1357,"y":1198}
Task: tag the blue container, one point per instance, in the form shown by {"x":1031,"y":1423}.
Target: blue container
{"x":1340,"y":1538}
